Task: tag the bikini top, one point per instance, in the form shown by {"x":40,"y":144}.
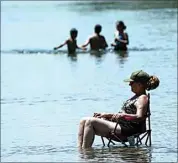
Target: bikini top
{"x":129,"y":106}
{"x":119,"y":36}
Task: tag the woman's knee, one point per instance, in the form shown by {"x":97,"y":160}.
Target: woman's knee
{"x":91,"y":121}
{"x":83,"y":120}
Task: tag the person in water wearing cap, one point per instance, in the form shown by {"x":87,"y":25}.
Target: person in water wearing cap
{"x":71,"y":42}
{"x":130,"y":118}
{"x":96,"y":41}
{"x":121,"y":38}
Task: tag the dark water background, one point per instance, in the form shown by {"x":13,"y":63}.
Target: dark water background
{"x":44,"y":94}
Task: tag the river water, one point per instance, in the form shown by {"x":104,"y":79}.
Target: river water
{"x":44,"y":94}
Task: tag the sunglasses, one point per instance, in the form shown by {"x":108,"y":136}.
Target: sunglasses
{"x":131,"y":82}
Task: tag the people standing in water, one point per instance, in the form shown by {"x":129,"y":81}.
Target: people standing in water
{"x":96,"y":41}
{"x":121,"y":38}
{"x":71,"y":42}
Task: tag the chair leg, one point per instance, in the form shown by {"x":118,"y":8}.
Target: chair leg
{"x":109,"y":142}
{"x":143,"y":136}
{"x":121,"y":140}
{"x":138,"y":141}
{"x":146,"y":140}
{"x":109,"y":139}
{"x":116,"y":137}
{"x":103,"y":141}
{"x":148,"y":136}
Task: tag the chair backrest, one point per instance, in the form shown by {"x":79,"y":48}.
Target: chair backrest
{"x":148,"y":113}
{"x":146,"y":126}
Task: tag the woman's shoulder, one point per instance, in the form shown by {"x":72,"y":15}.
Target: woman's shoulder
{"x":143,"y":99}
{"x":126,"y":34}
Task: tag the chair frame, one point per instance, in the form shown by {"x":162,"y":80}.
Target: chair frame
{"x":139,"y":137}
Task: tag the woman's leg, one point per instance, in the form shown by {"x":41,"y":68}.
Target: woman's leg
{"x":95,"y":126}
{"x":81,"y":131}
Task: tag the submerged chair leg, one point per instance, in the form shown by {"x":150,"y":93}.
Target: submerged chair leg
{"x":143,"y":136}
{"x":121,"y":140}
{"x":148,"y":136}
{"x":110,"y":141}
{"x":138,"y":141}
{"x":146,"y":140}
{"x":103,"y":141}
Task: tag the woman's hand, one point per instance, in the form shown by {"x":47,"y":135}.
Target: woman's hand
{"x":96,"y":114}
{"x":101,"y":115}
{"x":115,"y":117}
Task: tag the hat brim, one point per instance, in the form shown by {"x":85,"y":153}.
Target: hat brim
{"x":128,"y":80}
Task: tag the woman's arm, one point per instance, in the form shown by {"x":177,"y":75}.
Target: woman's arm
{"x":126,"y":39}
{"x":103,"y":115}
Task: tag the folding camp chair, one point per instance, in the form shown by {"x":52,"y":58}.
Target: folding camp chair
{"x":145,"y":132}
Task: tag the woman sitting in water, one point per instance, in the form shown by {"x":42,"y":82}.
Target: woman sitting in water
{"x":121,"y":38}
{"x":130,"y":119}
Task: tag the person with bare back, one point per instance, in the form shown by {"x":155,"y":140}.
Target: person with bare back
{"x":96,"y":41}
{"x":71,"y":42}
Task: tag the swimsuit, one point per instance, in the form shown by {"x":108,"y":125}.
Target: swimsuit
{"x":119,"y":45}
{"x":130,"y":127}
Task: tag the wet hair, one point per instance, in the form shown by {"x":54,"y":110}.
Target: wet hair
{"x":98,"y":28}
{"x":153,"y":83}
{"x":121,"y":23}
{"x":73,"y":31}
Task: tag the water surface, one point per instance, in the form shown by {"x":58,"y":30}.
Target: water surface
{"x":44,"y":94}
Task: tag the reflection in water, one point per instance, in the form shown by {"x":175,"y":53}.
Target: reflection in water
{"x":134,"y":154}
{"x":98,"y":55}
{"x":73,"y":56}
{"x":121,"y":154}
{"x":121,"y":56}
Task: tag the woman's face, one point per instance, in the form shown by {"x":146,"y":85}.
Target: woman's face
{"x":136,"y":87}
{"x":119,"y":27}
